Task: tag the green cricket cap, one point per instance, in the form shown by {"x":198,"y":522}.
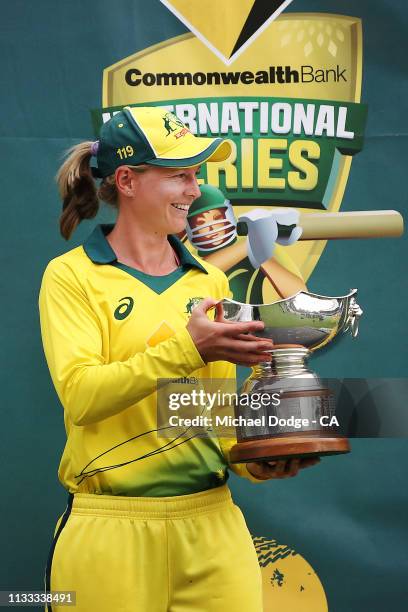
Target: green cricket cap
{"x":153,"y":135}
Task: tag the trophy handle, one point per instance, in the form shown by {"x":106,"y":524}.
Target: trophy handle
{"x":354,"y":315}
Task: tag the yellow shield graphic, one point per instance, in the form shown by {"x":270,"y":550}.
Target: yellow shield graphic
{"x":290,"y":105}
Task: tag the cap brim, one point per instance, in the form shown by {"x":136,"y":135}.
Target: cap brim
{"x":195,"y":152}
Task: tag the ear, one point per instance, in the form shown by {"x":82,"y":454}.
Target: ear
{"x":126,"y":181}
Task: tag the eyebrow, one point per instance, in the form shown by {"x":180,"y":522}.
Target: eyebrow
{"x":178,"y":170}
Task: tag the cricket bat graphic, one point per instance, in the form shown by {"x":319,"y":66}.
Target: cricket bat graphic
{"x":345,"y":225}
{"x":315,"y":226}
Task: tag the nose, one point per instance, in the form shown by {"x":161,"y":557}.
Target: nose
{"x":193,"y":189}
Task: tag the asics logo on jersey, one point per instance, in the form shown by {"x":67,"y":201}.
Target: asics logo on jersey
{"x":123,"y":310}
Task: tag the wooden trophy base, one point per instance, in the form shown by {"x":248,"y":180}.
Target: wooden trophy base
{"x":285,"y":447}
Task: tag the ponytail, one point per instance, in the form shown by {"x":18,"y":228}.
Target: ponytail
{"x":77,"y":189}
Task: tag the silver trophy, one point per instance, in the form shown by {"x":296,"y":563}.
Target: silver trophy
{"x":300,"y":423}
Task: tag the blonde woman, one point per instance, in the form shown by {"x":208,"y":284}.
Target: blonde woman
{"x":149,"y":525}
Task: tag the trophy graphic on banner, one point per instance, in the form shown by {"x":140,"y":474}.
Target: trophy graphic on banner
{"x":298,"y":326}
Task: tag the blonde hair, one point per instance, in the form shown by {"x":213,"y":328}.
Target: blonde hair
{"x":78,"y":190}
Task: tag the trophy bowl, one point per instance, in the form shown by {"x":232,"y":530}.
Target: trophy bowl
{"x":301,"y":424}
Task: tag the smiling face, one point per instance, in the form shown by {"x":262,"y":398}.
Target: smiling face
{"x":158,"y":199}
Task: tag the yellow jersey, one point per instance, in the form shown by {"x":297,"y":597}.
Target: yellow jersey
{"x":109,"y":333}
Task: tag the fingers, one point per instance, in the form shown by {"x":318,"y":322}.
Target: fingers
{"x":250,"y":337}
{"x":205,"y":305}
{"x":309,"y":461}
{"x":247,"y":350}
{"x":243,"y":346}
{"x":285,"y":468}
{"x":219,"y":313}
{"x":228,"y":328}
{"x":257,"y":345}
{"x":245,"y":356}
{"x":234,"y":329}
{"x":288,"y":468}
{"x":293,"y":467}
{"x":226,"y":341}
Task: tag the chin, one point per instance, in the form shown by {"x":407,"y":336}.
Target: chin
{"x":177,"y":228}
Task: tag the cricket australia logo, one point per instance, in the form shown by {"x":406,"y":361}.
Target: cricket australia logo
{"x":124,"y":310}
{"x":172,"y":123}
{"x":192,"y":303}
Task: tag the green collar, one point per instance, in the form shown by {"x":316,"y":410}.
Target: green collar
{"x":100,"y":251}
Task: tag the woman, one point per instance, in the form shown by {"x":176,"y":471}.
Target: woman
{"x":150,"y":525}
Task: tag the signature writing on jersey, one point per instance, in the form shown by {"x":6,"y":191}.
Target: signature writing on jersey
{"x":87,"y":473}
